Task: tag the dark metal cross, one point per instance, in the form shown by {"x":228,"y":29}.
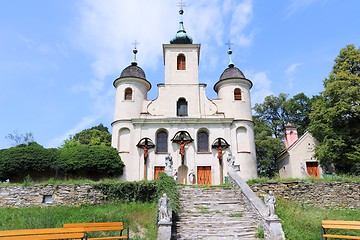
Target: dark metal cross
{"x":181,"y":4}
{"x":135,"y":43}
{"x":229,"y":44}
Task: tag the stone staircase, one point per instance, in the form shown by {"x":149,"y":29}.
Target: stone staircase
{"x":214,"y":213}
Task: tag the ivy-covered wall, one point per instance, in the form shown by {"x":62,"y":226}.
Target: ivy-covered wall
{"x":77,"y":194}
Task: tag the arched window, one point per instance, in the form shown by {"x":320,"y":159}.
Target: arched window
{"x":181,"y":62}
{"x":237,"y":94}
{"x":162,"y":141}
{"x":182,"y":107}
{"x":128,"y":94}
{"x":202,"y":141}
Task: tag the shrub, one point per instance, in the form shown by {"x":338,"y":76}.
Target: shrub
{"x":90,"y":161}
{"x":166,"y":184}
{"x":141,"y":191}
{"x":23,"y":160}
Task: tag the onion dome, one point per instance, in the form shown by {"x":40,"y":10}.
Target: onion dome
{"x":181,"y":36}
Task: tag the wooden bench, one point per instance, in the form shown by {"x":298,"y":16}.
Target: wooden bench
{"x":101,"y":227}
{"x":43,"y":233}
{"x":343,"y":225}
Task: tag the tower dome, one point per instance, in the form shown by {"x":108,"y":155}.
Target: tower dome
{"x":133,"y":71}
{"x":231,"y":73}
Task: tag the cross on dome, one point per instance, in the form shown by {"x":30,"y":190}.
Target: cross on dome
{"x":231,"y":64}
{"x":135,"y":51}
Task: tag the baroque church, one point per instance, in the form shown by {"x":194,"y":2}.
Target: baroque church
{"x":195,"y":139}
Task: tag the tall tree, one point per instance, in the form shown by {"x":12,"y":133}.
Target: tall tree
{"x":98,"y":135}
{"x":270,"y":118}
{"x":335,"y":120}
{"x":278,"y":111}
{"x":17,"y":138}
{"x":267,"y":148}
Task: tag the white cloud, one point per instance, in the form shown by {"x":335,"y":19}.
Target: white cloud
{"x":297,"y":5}
{"x":261,"y":88}
{"x":241,"y":17}
{"x":292,"y":68}
{"x":84,"y":123}
{"x":290,"y":73}
{"x":105,"y":30}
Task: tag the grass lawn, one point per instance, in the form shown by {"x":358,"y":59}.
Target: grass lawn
{"x":301,"y":221}
{"x":139,"y":217}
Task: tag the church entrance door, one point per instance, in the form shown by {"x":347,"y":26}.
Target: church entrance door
{"x":313,"y":169}
{"x":204,"y":175}
{"x":157,"y":171}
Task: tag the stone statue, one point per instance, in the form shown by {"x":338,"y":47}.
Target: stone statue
{"x":164,"y":209}
{"x":168,"y":165}
{"x":175,"y":175}
{"x":192,"y":177}
{"x":231,"y":160}
{"x":270,"y":203}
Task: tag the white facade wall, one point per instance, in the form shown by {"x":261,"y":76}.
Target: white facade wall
{"x":293,"y":163}
{"x":221,"y":118}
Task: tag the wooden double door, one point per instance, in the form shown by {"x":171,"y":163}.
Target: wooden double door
{"x":204,"y":175}
{"x":313,"y":169}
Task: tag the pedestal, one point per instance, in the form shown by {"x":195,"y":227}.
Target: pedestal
{"x":164,"y":230}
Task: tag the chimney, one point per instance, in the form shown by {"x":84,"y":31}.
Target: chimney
{"x":290,"y":135}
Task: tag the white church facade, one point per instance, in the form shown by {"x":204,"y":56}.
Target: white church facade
{"x":182,"y":132}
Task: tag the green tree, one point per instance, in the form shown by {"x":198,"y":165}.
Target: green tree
{"x":98,"y":135}
{"x":278,"y":111}
{"x":335,"y":120}
{"x":17,"y":138}
{"x":270,"y":118}
{"x":267,"y":148}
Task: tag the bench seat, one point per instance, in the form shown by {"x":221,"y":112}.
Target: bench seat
{"x":101,"y":227}
{"x":342,"y":225}
{"x":43,"y":234}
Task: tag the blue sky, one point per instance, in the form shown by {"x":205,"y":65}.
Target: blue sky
{"x":58,"y":59}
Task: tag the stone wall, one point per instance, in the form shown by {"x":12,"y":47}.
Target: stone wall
{"x":321,"y":194}
{"x":49,"y":195}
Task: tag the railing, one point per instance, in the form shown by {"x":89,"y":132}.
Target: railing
{"x":270,"y":222}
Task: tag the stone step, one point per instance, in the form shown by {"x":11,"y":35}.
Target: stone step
{"x":211,"y":214}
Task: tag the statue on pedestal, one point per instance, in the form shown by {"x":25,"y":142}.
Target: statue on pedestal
{"x":168,"y":165}
{"x":192,"y":177}
{"x":231,"y":160}
{"x":270,"y":203}
{"x":164,"y":209}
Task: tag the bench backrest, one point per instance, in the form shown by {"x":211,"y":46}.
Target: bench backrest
{"x":94,"y":227}
{"x":351,"y":225}
{"x":43,"y":233}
